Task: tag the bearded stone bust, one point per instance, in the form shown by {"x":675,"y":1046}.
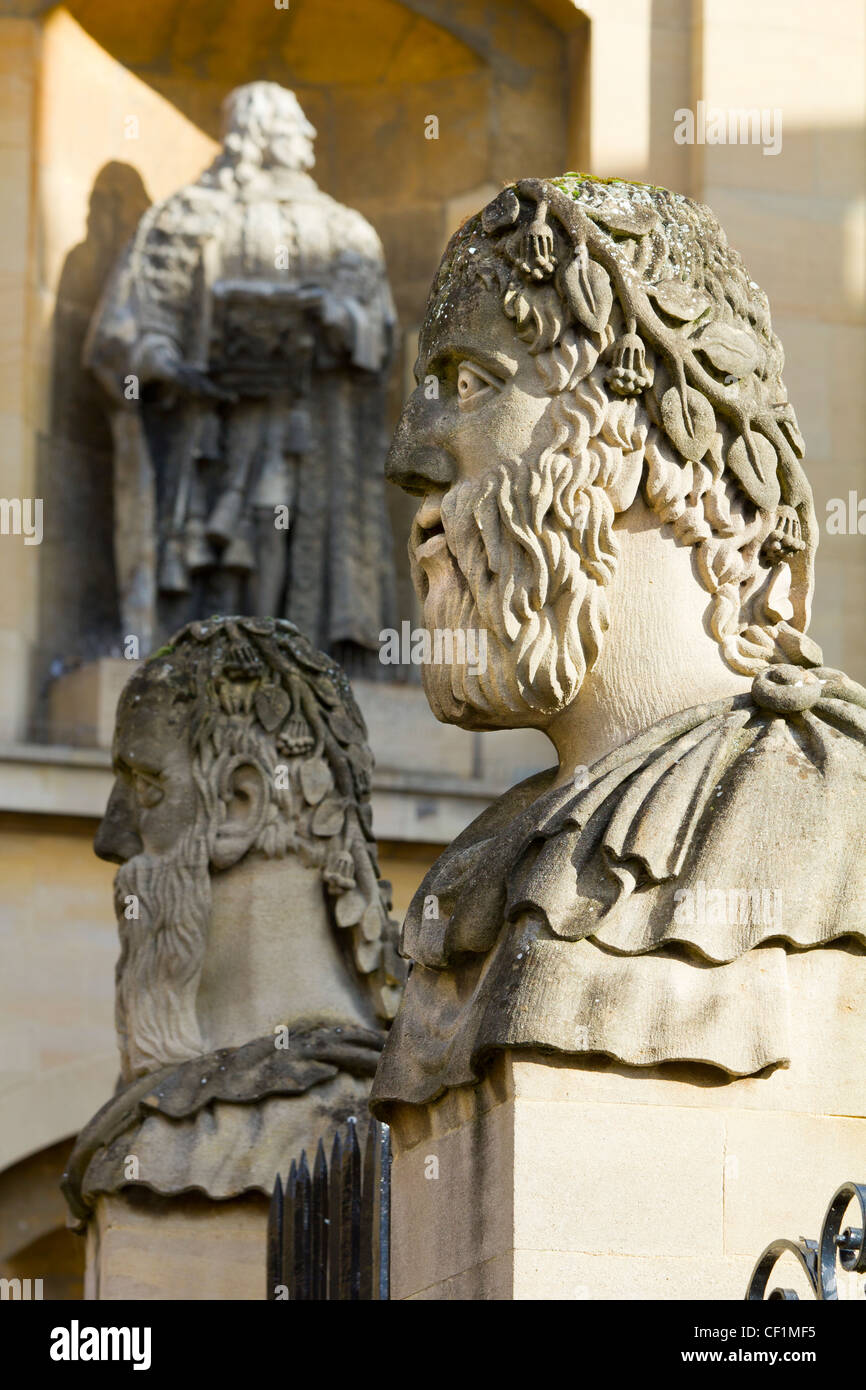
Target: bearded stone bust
{"x":257,"y":969}
{"x":611,"y":487}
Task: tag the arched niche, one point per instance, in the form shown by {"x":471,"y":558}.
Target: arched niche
{"x":130,"y":110}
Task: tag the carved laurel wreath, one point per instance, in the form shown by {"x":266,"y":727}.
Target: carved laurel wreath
{"x":588,"y":238}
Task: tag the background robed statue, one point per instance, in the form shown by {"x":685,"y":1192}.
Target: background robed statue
{"x":244,"y":340}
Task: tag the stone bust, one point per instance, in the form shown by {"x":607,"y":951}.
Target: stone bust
{"x":258,"y":966}
{"x":611,"y":486}
{"x":244,"y":341}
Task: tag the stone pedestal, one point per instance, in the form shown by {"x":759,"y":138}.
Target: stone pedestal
{"x":82,"y":704}
{"x":561,"y":1180}
{"x":141,"y":1246}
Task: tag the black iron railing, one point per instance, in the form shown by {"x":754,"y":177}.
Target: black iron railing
{"x":817,"y":1258}
{"x":329,"y":1228}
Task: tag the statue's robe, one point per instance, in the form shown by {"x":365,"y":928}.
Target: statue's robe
{"x":317,"y":446}
{"x":659,"y":913}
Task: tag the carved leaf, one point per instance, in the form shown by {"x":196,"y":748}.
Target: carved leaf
{"x":632,"y":221}
{"x":345,"y":729}
{"x":362,"y":758}
{"x":692,"y":435}
{"x":371,"y":923}
{"x":755,"y":469}
{"x":587,"y":291}
{"x":502,"y":212}
{"x":789,"y":427}
{"x":316,"y":780}
{"x":328,"y":816}
{"x":272,"y":706}
{"x":349,"y":908}
{"x":731,"y":350}
{"x":368,"y":954}
{"x":679,"y":300}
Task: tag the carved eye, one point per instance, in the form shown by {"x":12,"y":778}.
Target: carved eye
{"x":473,"y":383}
{"x":148,"y":792}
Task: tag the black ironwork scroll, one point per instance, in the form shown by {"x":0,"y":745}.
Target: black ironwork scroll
{"x":818,"y":1259}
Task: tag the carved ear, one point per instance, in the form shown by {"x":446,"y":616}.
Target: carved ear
{"x":245,"y":795}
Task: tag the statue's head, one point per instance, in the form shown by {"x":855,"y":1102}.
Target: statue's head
{"x":264,"y":126}
{"x":237,"y":742}
{"x":590,"y":346}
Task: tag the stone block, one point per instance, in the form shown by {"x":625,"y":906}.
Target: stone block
{"x":781,"y":1172}
{"x":557,"y":1181}
{"x":551,"y":1275}
{"x":82,"y":703}
{"x":644,"y":1191}
{"x":183,"y":1249}
{"x":405,"y":736}
{"x":814,"y":267}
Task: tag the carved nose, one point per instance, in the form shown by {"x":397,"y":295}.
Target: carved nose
{"x":414,"y":463}
{"x":116,"y":838}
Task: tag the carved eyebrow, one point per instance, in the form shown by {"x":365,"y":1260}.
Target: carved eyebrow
{"x":494,"y":362}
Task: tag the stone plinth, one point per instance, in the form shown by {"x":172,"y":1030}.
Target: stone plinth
{"x":186,"y":1248}
{"x":558,"y":1180}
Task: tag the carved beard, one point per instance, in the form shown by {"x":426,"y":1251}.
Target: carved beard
{"x":514,"y":568}
{"x":161,"y":954}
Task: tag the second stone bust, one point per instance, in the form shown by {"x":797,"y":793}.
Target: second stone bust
{"x":258,"y":968}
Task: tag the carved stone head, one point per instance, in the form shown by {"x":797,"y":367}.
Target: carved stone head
{"x":590,"y":347}
{"x":240,"y":819}
{"x":263,"y":126}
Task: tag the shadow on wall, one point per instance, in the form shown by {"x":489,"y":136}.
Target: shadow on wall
{"x":78,"y":609}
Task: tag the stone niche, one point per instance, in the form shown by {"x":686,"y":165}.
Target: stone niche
{"x":419,"y":116}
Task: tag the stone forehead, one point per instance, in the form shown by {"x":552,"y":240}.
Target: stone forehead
{"x":160,"y":689}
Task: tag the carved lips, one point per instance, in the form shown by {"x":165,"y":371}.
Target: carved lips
{"x":428,"y":535}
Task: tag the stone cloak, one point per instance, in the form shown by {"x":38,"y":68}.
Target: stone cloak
{"x":583,"y":921}
{"x":225,"y":1123}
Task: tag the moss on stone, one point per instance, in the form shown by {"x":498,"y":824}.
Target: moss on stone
{"x":597,"y":178}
